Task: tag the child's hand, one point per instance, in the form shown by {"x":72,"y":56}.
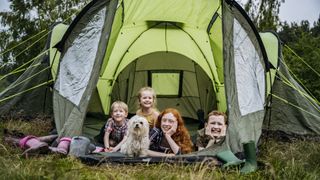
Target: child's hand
{"x":208,"y":131}
{"x":223,"y":131}
{"x":173,"y":129}
{"x":109,"y":149}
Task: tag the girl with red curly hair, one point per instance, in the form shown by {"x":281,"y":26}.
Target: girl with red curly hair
{"x":169,"y":135}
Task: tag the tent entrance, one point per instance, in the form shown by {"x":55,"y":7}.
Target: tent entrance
{"x":178,"y":81}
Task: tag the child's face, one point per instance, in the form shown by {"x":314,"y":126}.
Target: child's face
{"x":217,"y":125}
{"x":167,"y":121}
{"x":146,"y":99}
{"x":119,"y":114}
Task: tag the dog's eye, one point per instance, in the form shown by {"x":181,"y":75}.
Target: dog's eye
{"x":141,"y":122}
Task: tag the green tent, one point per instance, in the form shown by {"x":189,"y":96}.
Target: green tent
{"x":196,"y":54}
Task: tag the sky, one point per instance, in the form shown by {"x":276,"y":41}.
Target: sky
{"x":290,"y":11}
{"x":4,"y":5}
{"x":298,"y":10}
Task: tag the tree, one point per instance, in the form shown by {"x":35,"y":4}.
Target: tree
{"x":26,"y":19}
{"x":264,"y":13}
{"x":304,"y":41}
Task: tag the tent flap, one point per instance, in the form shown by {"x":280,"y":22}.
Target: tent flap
{"x":77,"y":79}
{"x":244,"y":79}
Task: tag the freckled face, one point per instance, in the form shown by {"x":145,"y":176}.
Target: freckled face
{"x":217,"y":125}
{"x":146,"y":100}
{"x":167,"y":121}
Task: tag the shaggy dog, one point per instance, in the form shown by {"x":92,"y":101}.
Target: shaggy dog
{"x":137,"y":142}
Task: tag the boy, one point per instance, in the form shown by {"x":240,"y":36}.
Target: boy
{"x":214,"y":131}
{"x":116,"y":127}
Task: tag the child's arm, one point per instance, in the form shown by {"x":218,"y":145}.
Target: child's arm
{"x":117,"y":148}
{"x":106,"y":140}
{"x":199,"y":143}
{"x":208,"y":136}
{"x":174,"y":146}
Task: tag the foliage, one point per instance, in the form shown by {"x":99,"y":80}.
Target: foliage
{"x":304,"y":41}
{"x":264,"y":13}
{"x":278,"y":160}
{"x":26,"y":19}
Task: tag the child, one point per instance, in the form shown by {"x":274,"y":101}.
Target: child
{"x":147,"y":103}
{"x":214,"y":131}
{"x":33,"y":145}
{"x":116,"y":127}
{"x":169,"y":136}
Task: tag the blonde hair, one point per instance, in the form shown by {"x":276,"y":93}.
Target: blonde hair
{"x":218,"y":113}
{"x":119,"y":104}
{"x":154,"y":95}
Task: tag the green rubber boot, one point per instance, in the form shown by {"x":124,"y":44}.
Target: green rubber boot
{"x":251,"y":158}
{"x":229,"y":159}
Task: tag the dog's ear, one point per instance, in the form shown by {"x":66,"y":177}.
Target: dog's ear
{"x":130,"y":122}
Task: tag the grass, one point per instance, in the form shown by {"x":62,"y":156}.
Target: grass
{"x":280,"y":160}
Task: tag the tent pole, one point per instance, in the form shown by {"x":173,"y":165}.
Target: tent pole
{"x":268,"y":108}
{"x":48,"y":76}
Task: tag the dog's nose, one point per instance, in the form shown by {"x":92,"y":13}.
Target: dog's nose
{"x":137,"y":125}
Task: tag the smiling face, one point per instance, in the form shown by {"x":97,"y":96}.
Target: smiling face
{"x":146,"y":99}
{"x":217,"y":125}
{"x":167,"y":121}
{"x":119,"y":115}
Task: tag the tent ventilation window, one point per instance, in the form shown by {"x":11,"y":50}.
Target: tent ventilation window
{"x":166,"y":83}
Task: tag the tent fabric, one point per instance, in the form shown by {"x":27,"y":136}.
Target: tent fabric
{"x":272,"y":44}
{"x":250,"y":76}
{"x":138,"y":73}
{"x":244,"y":125}
{"x":141,"y":29}
{"x":129,"y":48}
{"x":20,"y":100}
{"x":292,"y":110}
{"x":192,"y":13}
{"x":70,"y":114}
{"x":73,"y":73}
{"x":57,"y":33}
{"x":17,"y":97}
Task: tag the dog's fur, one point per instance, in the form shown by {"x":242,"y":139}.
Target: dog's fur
{"x":137,"y":142}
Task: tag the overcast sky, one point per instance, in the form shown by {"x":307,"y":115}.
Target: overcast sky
{"x":291,"y":10}
{"x":298,"y":10}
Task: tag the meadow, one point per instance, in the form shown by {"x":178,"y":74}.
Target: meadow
{"x":297,"y":159}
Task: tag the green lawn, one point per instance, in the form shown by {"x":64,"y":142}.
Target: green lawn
{"x":279,"y":160}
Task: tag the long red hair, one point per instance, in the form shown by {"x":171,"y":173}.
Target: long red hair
{"x":181,"y":136}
